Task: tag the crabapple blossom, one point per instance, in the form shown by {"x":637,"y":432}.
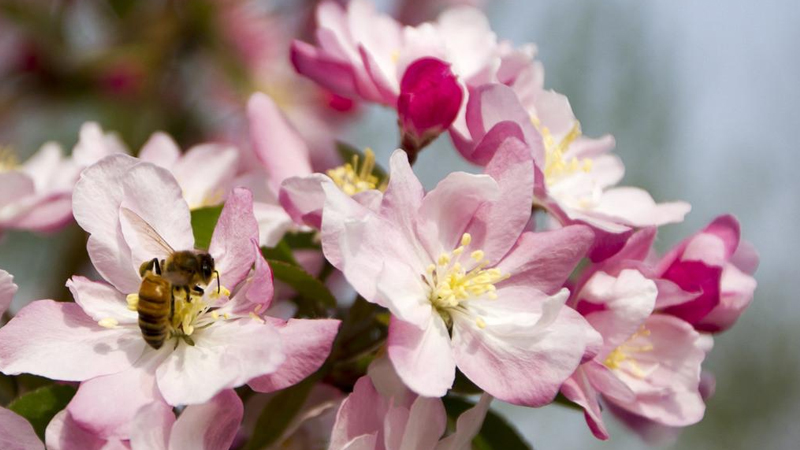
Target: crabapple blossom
{"x":648,"y":365}
{"x":466,"y":286}
{"x":208,"y":426}
{"x":577,"y":174}
{"x":382,"y":414}
{"x":97,"y":340}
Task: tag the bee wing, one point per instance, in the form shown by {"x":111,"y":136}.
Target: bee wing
{"x":148,"y":238}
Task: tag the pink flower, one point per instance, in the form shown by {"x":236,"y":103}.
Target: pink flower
{"x":36,"y":195}
{"x":363,"y":54}
{"x":209,"y":426}
{"x":97,"y":339}
{"x":712,"y":271}
{"x":465,"y":285}
{"x":430,"y":98}
{"x":7,"y":290}
{"x":706,"y":280}
{"x":202,"y":184}
{"x":648,"y":365}
{"x":16,"y":433}
{"x":575,"y":175}
{"x":382,"y":414}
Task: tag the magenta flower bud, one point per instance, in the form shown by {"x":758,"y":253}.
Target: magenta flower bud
{"x":429,"y":100}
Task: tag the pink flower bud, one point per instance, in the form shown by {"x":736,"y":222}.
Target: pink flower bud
{"x":429,"y":100}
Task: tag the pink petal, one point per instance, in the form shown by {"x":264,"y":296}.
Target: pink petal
{"x":281,"y":150}
{"x":545,"y":260}
{"x":59,"y":341}
{"x":231,"y":244}
{"x":637,"y":208}
{"x":101,"y":301}
{"x":530,"y":344}
{"x":63,"y":433}
{"x":360,"y":414}
{"x":307,"y":344}
{"x":737,"y":289}
{"x":303,"y":199}
{"x":334,"y":75}
{"x":579,"y":391}
{"x":7,"y":290}
{"x":106,"y":405}
{"x":205,"y":174}
{"x":160,"y":150}
{"x":16,"y":433}
{"x":468,"y":426}
{"x":96,"y":200}
{"x":403,"y":197}
{"x":423,"y":358}
{"x":209,"y":426}
{"x":169,"y":216}
{"x":449,"y":208}
{"x":225,"y":355}
{"x":427,"y":421}
{"x":498,"y":224}
{"x":94,"y":145}
{"x":401,"y":289}
{"x":152,"y":426}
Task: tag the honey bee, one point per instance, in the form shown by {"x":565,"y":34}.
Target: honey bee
{"x":180,"y":271}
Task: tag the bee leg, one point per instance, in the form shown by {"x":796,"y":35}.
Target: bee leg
{"x":188,"y":339}
{"x":198,"y":290}
{"x":218,"y":286}
{"x":188,"y":294}
{"x":148,"y":267}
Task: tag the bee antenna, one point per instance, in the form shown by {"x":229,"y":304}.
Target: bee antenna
{"x":218,"y":287}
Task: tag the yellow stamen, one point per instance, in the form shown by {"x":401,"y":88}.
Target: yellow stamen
{"x":556,"y":166}
{"x":256,"y":318}
{"x":621,"y":357}
{"x":352,"y":178}
{"x":451,"y":284}
{"x":480,"y":322}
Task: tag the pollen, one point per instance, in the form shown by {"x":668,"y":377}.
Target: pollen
{"x":353,"y":177}
{"x":623,"y":357}
{"x":557,"y":165}
{"x":133,"y":302}
{"x":452,"y":284}
{"x":108,"y":322}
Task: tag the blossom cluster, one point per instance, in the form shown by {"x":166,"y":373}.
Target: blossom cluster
{"x":345,"y":302}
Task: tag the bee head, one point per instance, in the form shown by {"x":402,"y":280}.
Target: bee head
{"x":206,"y":266}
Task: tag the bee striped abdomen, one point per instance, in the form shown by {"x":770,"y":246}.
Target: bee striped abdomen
{"x":155,"y":302}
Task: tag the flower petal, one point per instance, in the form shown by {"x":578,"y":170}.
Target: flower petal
{"x":160,"y":150}
{"x":359,"y":415}
{"x":59,"y":341}
{"x":63,"y":433}
{"x":7,"y":290}
{"x":101,"y":301}
{"x":16,"y":433}
{"x":231,"y":244}
{"x":106,"y":405}
{"x":225,"y":355}
{"x":209,"y":426}
{"x":307,"y":344}
{"x":545,"y":260}
{"x":152,"y":426}
{"x":423,"y":358}
{"x":468,"y":425}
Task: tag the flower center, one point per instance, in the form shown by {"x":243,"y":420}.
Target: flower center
{"x":189,"y":313}
{"x":556,"y":166}
{"x":451,"y":284}
{"x":621,"y":358}
{"x":8,"y":160}
{"x":352,"y":178}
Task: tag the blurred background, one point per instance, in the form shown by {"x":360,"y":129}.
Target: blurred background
{"x":701,"y":97}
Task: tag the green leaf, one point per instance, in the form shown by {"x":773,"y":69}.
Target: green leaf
{"x":347,"y":151}
{"x":281,"y":252}
{"x":304,"y":284}
{"x":496,"y":433}
{"x":307,"y":240}
{"x":41,"y":405}
{"x":278,"y":414}
{"x":203,"y":222}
